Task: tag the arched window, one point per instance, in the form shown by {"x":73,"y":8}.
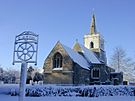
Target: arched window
{"x":95,"y":73}
{"x":91,"y":45}
{"x":57,"y":60}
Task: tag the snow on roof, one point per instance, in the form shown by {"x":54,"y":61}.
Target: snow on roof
{"x":89,"y":55}
{"x":77,"y":58}
{"x":57,"y":68}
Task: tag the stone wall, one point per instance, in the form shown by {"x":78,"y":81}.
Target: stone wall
{"x":63,"y":75}
{"x":81,"y":75}
{"x":104,"y":75}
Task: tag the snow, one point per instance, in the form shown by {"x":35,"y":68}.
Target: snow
{"x":58,"y":68}
{"x":80,"y":91}
{"x":84,"y":61}
{"x":6,"y":88}
{"x":70,"y":91}
{"x":77,"y":58}
{"x":89,"y":55}
{"x":114,"y":98}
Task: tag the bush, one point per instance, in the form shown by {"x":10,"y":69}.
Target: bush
{"x":13,"y":92}
{"x":83,"y":91}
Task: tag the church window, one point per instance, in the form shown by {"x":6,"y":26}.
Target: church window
{"x":57,"y":60}
{"x":95,"y":73}
{"x":91,"y":45}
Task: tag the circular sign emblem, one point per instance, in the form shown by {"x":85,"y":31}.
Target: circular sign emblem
{"x":25,"y":51}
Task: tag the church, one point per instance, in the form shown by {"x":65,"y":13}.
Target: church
{"x":83,"y":64}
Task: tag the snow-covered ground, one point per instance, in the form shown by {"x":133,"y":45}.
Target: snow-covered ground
{"x":114,"y":98}
{"x":5,"y":95}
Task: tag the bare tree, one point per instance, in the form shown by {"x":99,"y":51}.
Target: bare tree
{"x":1,"y":73}
{"x":9,"y":75}
{"x":121,"y":63}
{"x":118,"y":58}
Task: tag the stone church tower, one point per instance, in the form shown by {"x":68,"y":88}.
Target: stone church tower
{"x":95,"y":42}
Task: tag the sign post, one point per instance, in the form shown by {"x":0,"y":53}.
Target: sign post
{"x":22,"y":81}
{"x":25,"y":51}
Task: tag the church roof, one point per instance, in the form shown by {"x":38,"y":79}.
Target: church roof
{"x":77,"y":58}
{"x":89,"y":55}
{"x":85,"y":59}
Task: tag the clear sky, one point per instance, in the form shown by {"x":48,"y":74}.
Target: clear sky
{"x":65,"y":20}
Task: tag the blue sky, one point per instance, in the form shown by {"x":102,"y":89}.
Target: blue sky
{"x":66,"y":21}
